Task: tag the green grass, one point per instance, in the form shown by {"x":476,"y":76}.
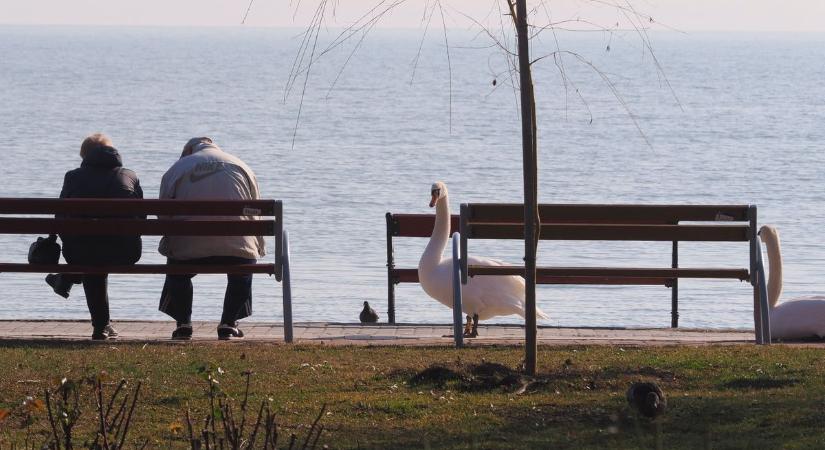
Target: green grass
{"x":385,"y":397}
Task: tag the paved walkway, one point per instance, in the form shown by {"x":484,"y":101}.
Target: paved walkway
{"x":382,"y":334}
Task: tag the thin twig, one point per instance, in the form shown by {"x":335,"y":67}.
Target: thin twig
{"x":249,"y":8}
{"x":51,"y":419}
{"x":129,"y":417}
{"x":314,"y":424}
{"x":103,"y":432}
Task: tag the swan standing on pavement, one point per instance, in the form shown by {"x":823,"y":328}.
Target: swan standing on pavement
{"x":793,"y":319}
{"x":482,"y":297}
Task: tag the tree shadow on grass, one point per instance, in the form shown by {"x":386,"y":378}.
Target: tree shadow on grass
{"x":759,"y":383}
{"x":482,"y":377}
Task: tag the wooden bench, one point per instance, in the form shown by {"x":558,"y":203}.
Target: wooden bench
{"x":406,"y":225}
{"x":107,"y":217}
{"x":717,"y":223}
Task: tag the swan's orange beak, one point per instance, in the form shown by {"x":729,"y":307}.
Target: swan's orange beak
{"x":434,"y":199}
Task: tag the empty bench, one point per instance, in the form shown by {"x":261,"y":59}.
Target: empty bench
{"x":714,"y":223}
{"x":117,"y":217}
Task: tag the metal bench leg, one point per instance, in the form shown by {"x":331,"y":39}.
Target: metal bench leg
{"x":765,"y":308}
{"x":761,"y":308}
{"x":674,"y":293}
{"x":757,"y":317}
{"x":674,"y":304}
{"x":761,"y":293}
{"x":458,"y":332}
{"x":287,"y":290}
{"x":390,"y":266}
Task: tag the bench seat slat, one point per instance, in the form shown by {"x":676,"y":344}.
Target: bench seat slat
{"x":146,"y":227}
{"x":624,"y":232}
{"x":739,"y":274}
{"x":605,"y":280}
{"x":584,"y":213}
{"x":405,"y":275}
{"x":411,"y":276}
{"x":139,"y":206}
{"x":418,"y":225}
{"x":140,"y":268}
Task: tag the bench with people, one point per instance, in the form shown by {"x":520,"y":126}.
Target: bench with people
{"x":209,"y":214}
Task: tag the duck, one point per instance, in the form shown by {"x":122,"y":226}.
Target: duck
{"x":368,"y":315}
{"x":483,"y":297}
{"x":647,"y":399}
{"x":797,"y":318}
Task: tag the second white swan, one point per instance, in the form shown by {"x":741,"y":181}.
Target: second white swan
{"x":793,"y":319}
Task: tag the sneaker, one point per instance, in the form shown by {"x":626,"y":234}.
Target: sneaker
{"x":59,"y":288}
{"x":183,"y":332}
{"x":102,"y":334}
{"x":110,"y":330}
{"x":227,"y":331}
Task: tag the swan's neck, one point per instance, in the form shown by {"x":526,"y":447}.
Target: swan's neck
{"x":775,"y":266}
{"x":438,"y":240}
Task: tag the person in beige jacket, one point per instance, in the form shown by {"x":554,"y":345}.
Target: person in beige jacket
{"x":205,"y":172}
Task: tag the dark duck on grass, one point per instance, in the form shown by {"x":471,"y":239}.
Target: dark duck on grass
{"x":368,"y":315}
{"x":647,"y":398}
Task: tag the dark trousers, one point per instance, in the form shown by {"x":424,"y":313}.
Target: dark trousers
{"x":97,"y":295}
{"x":176,"y":298}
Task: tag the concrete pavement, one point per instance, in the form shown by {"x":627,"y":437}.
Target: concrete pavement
{"x":379,"y":334}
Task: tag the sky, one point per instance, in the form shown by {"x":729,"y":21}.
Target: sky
{"x":684,"y":15}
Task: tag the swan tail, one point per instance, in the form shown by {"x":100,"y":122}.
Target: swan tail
{"x":539,"y":314}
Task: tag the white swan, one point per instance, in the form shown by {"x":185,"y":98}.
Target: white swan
{"x":792,"y":319}
{"x":483,"y":297}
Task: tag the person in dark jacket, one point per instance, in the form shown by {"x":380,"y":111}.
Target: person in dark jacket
{"x":100,"y":175}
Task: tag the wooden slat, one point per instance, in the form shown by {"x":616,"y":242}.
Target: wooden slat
{"x":418,"y":225}
{"x":739,"y":274}
{"x":605,"y":280}
{"x":152,"y":227}
{"x":572,"y":213}
{"x":128,"y":207}
{"x":140,"y":268}
{"x":405,"y":275}
{"x":585,"y":232}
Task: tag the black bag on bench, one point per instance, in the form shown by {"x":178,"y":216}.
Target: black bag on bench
{"x":45,"y":250}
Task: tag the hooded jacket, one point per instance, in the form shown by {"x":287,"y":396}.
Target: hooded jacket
{"x":101,"y":175}
{"x":209,"y":173}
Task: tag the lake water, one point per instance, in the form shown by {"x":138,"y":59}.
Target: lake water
{"x":748,"y":127}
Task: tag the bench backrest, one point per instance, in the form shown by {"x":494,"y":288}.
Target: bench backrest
{"x":613,"y":223}
{"x":406,"y":225}
{"x":410,"y":225}
{"x":118,"y":217}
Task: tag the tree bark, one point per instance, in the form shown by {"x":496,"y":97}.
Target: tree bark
{"x":528,"y":138}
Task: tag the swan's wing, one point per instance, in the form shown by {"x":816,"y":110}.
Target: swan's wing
{"x":799,"y":318}
{"x":480,"y":261}
{"x":490,"y":296}
{"x":487,"y":296}
{"x":498,"y":287}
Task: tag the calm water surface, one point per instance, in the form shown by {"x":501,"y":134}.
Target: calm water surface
{"x":748,"y":127}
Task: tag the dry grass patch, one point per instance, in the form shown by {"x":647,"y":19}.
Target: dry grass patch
{"x":436,"y":397}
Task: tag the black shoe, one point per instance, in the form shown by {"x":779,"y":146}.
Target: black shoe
{"x":183,"y":332}
{"x":227,"y":331}
{"x":61,"y":289}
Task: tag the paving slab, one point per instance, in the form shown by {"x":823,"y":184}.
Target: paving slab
{"x":323,"y":333}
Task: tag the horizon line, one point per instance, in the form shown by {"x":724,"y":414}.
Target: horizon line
{"x":378,"y":27}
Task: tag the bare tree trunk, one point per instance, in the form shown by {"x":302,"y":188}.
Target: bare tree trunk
{"x":528,"y":138}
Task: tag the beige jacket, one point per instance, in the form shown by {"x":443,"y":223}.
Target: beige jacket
{"x":210,"y":174}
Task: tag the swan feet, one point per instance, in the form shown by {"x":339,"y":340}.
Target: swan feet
{"x":471,"y":328}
